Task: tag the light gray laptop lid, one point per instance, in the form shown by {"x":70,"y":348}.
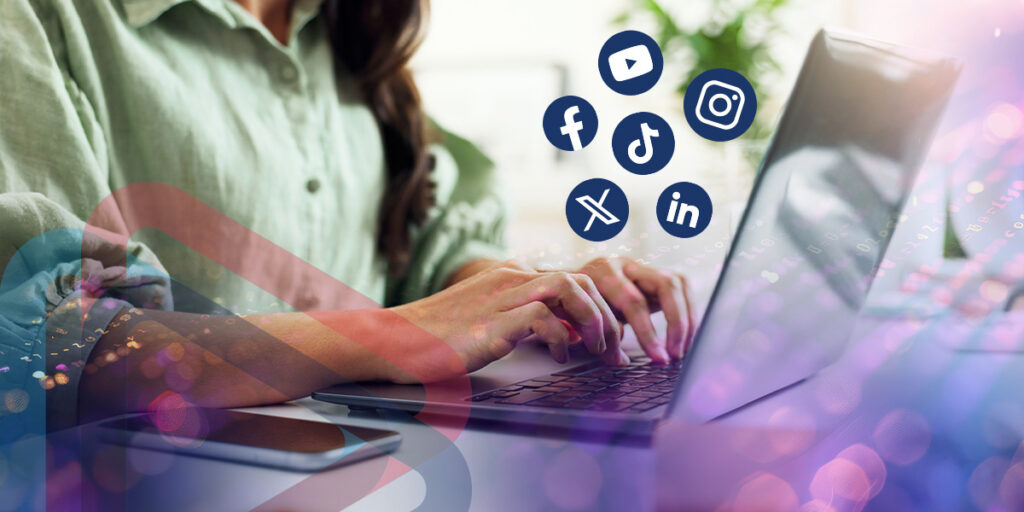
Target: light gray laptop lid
{"x":825,"y":203}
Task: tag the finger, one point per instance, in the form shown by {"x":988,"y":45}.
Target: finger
{"x":691,"y":324}
{"x":536,"y":321}
{"x":561,"y":292}
{"x":609,"y":324}
{"x":629,"y":300}
{"x":669,"y":292}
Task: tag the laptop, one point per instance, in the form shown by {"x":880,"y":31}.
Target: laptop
{"x":823,"y":208}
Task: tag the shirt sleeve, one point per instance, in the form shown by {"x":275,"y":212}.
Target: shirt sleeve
{"x":467,"y":224}
{"x":60,"y":287}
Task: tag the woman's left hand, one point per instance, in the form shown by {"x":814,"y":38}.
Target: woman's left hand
{"x":635,"y":291}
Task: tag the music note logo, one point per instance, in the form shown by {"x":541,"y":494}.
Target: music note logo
{"x":643,"y":143}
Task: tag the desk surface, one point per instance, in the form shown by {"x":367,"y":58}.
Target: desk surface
{"x":928,"y":420}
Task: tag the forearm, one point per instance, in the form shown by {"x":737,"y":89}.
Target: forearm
{"x":476,"y":266}
{"x":230,"y":361}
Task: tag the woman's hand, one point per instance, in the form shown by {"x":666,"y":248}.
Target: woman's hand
{"x":484,"y":316}
{"x":634,"y":291}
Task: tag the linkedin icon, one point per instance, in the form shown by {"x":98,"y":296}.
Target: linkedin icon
{"x":684,"y":209}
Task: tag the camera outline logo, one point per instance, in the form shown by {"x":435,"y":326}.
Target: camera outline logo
{"x":684,"y":209}
{"x":597,"y":209}
{"x":734,"y":100}
{"x":570,"y":123}
{"x":643,"y":143}
{"x":720,"y":105}
{"x":630,"y":62}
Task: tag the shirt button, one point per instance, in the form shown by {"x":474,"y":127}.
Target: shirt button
{"x":313,"y":185}
{"x":287,"y":72}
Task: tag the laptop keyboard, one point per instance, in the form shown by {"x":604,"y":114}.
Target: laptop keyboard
{"x":639,"y":387}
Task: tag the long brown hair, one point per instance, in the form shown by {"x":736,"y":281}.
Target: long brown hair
{"x":373,"y":42}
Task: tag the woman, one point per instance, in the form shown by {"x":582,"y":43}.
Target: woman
{"x":271,"y":128}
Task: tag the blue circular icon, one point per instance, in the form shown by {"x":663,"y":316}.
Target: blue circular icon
{"x":570,"y":123}
{"x":684,"y":209}
{"x":630,"y":62}
{"x":597,"y":209}
{"x":720,"y":104}
{"x":643,"y":143}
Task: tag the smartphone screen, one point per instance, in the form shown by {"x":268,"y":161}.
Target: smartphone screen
{"x":253,"y":438}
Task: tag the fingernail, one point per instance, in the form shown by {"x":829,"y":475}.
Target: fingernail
{"x":663,"y":354}
{"x":623,"y":359}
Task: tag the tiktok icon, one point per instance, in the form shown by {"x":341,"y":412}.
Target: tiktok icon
{"x":643,"y":143}
{"x":684,"y":209}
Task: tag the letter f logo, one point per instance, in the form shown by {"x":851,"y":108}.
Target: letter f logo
{"x":572,"y":127}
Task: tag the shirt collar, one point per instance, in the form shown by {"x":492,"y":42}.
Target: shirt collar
{"x":142,"y":12}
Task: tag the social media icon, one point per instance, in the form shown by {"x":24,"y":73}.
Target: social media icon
{"x":570,"y":123}
{"x":643,"y":143}
{"x":684,"y":209}
{"x":630,"y":62}
{"x":720,"y":104}
{"x":597,"y":209}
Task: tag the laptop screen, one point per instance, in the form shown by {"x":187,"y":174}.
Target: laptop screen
{"x":825,"y":203}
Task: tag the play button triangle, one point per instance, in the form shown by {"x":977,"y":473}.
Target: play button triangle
{"x":630,"y":63}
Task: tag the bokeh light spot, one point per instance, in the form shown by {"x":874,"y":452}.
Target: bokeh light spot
{"x":869,"y":462}
{"x":1004,"y":121}
{"x":994,"y":291}
{"x":765,"y":492}
{"x":902,"y":437}
{"x":16,"y":400}
{"x":572,"y":479}
{"x":1011,"y":489}
{"x":840,"y":478}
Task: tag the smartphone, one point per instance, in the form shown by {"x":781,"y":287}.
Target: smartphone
{"x":286,"y":443}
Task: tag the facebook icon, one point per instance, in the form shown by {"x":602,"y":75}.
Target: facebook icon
{"x":570,"y":123}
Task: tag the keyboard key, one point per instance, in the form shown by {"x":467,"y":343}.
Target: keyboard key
{"x":549,"y":389}
{"x":573,"y":393}
{"x":646,"y":406}
{"x":581,"y":380}
{"x":631,"y":399}
{"x":551,"y":378}
{"x":524,"y":397}
{"x":481,"y":397}
{"x":514,"y":387}
{"x":646,"y":394}
{"x":606,"y":395}
{"x":579,"y":369}
{"x":534,"y":383}
{"x":503,"y":394}
{"x":561,"y":398}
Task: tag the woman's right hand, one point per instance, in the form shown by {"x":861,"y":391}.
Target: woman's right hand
{"x":483,"y":317}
